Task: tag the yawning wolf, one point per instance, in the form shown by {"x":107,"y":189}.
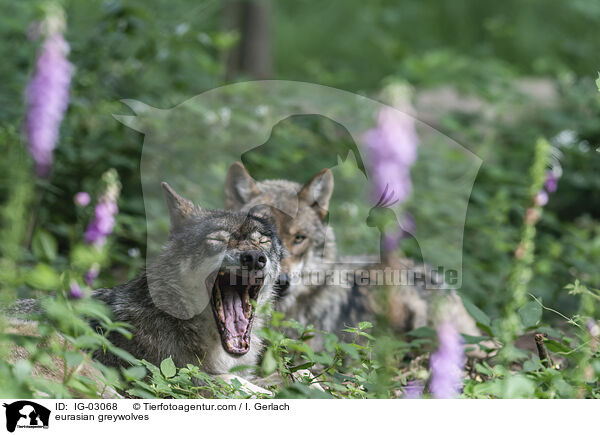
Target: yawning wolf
{"x":197,"y":300}
{"x":196,"y":303}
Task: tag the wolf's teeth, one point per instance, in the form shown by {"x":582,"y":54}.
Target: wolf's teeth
{"x":254,"y":288}
{"x":219,"y":304}
{"x":246,"y":304}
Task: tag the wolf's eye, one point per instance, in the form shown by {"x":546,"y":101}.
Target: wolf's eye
{"x":216,"y":242}
{"x":218,"y":238}
{"x":299,"y":238}
{"x":264,"y":240}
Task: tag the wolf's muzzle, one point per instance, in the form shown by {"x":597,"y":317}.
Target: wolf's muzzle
{"x":253,"y":260}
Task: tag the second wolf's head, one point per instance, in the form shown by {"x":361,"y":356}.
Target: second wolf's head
{"x":299,"y":213}
{"x":219,"y":258}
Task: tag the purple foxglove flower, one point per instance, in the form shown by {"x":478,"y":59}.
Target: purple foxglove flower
{"x":413,"y":390}
{"x":47,"y":98}
{"x":392,"y":150}
{"x":92,"y":274}
{"x":447,"y":363}
{"x":551,"y":183}
{"x":82,"y":199}
{"x":75,"y":292}
{"x":103,"y":222}
{"x":541,"y":198}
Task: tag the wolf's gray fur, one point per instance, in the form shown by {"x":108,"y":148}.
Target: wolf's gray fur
{"x":299,"y":213}
{"x":161,"y":302}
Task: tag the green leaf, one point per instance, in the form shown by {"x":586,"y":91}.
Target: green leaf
{"x":44,"y":245}
{"x":124,"y":332}
{"x":530,"y":314}
{"x":550,"y":332}
{"x":155,"y":371}
{"x":84,"y":256}
{"x":269,"y":363}
{"x":87,"y":341}
{"x":484,"y":368}
{"x":518,"y":387}
{"x":302,"y":366}
{"x":140,"y":392}
{"x":134,"y":373}
{"x":323,"y":358}
{"x":167,"y":367}
{"x":235,"y":383}
{"x":473,"y":339}
{"x":73,"y":358}
{"x":301,"y":391}
{"x":423,"y":332}
{"x":556,"y":346}
{"x":43,"y":277}
{"x":22,"y":370}
{"x":123,"y":354}
{"x":476,"y":313}
{"x":531,"y":366}
{"x":350,"y":349}
{"x":598,"y":82}
{"x":365,"y":325}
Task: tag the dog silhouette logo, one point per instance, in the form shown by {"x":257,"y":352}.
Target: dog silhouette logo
{"x":26,"y":414}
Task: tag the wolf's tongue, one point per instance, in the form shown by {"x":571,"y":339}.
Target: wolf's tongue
{"x":235,"y":321}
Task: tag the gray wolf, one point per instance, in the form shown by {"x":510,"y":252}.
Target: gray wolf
{"x":197,"y":302}
{"x":299,"y":213}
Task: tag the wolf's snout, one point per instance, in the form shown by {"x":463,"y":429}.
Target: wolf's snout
{"x":253,"y":260}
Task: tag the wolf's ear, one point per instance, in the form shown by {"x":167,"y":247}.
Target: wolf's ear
{"x":180,"y":209}
{"x":240,"y":187}
{"x":317,"y":192}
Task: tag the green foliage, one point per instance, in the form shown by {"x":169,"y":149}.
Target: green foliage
{"x":386,"y":37}
{"x":521,"y":273}
{"x":162,"y":53}
{"x":371,"y":365}
{"x":181,"y":383}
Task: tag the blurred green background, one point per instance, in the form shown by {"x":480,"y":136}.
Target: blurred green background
{"x":492,"y":76}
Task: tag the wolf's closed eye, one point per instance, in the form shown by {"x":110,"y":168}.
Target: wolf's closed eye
{"x":218,"y":238}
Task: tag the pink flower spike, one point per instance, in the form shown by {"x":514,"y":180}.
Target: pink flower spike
{"x":47,"y":97}
{"x":447,"y":363}
{"x":392,"y":149}
{"x":106,"y":208}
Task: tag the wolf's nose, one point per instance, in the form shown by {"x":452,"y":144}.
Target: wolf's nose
{"x":253,"y":260}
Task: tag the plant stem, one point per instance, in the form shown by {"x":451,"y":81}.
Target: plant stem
{"x":542,"y":351}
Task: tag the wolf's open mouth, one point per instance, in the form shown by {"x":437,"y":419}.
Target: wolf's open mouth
{"x":231,"y":298}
